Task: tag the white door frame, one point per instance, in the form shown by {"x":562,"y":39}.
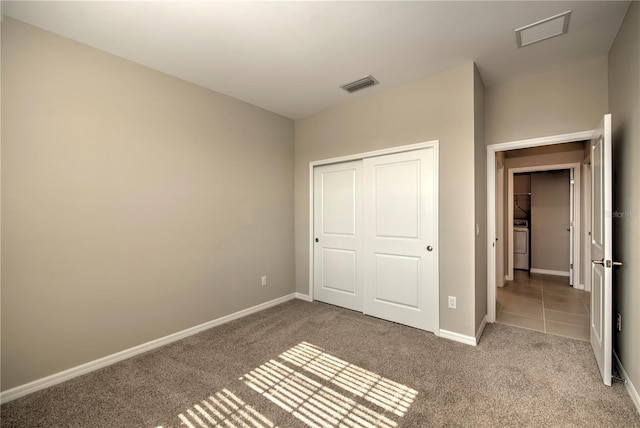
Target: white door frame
{"x":585,"y":275}
{"x":575,"y":166}
{"x":358,"y":156}
{"x":491,"y":201}
{"x":500,"y":242}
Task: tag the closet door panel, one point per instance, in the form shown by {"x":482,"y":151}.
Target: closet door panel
{"x":397,"y":190}
{"x":400,"y":254}
{"x":338,"y":235}
{"x":397,"y":280}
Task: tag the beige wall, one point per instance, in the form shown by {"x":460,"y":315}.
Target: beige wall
{"x":480,"y":167}
{"x":571,"y":153}
{"x":624,"y":99}
{"x":521,"y":197}
{"x":550,"y":213}
{"x":559,"y":101}
{"x":135,"y":205}
{"x":439,"y":107}
{"x":522,"y":183}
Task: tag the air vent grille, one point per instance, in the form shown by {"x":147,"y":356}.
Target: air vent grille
{"x":543,"y":30}
{"x":365,"y":82}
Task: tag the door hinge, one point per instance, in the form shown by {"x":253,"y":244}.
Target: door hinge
{"x":617,"y":378}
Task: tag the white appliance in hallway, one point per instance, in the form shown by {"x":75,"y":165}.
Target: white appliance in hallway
{"x":520,"y":244}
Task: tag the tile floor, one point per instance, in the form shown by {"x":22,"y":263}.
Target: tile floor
{"x":544,"y":303}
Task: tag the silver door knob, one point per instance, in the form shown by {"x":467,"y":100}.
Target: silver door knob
{"x":429,"y":248}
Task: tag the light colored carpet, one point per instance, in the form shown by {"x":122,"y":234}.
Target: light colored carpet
{"x":305,"y":364}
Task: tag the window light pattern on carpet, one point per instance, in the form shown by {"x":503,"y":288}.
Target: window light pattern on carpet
{"x":315,"y":387}
{"x":223,"y":409}
{"x":318,"y":405}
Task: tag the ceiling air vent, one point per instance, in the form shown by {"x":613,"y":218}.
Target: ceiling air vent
{"x":365,"y":82}
{"x":543,"y":30}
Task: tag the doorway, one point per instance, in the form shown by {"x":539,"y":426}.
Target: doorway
{"x":600,"y":237}
{"x":553,"y":193}
{"x":544,"y":290}
{"x":492,"y":227}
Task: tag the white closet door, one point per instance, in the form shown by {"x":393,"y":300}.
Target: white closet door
{"x":338,"y":234}
{"x":400,"y":237}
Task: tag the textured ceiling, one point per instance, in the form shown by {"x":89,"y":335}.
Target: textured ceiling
{"x":291,"y":57}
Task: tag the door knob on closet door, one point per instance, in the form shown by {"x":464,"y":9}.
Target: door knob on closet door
{"x":429,"y":248}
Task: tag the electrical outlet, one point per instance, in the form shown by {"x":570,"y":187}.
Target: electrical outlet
{"x":452,"y":302}
{"x":619,"y":321}
{"x":264,"y":280}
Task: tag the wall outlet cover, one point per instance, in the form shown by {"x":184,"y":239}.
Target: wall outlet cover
{"x":452,"y":302}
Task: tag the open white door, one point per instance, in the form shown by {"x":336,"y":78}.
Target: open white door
{"x":337,"y":235}
{"x":601,"y":247}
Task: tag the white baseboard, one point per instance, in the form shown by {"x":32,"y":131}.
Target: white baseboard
{"x":304,"y":297}
{"x":483,"y":324}
{"x":631,"y":389}
{"x":22,"y":390}
{"x":457,"y":337}
{"x":578,"y":286}
{"x":462,"y":338}
{"x":550,"y":272}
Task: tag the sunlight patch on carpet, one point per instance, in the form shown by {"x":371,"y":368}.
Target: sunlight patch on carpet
{"x":312,"y":385}
{"x":223,"y":409}
{"x":389,"y":395}
{"x":319,"y":405}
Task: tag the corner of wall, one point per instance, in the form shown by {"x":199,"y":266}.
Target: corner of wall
{"x":480,"y":205}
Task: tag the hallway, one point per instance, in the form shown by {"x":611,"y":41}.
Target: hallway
{"x":544,"y":303}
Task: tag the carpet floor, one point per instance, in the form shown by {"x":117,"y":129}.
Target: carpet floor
{"x":303,"y":364}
